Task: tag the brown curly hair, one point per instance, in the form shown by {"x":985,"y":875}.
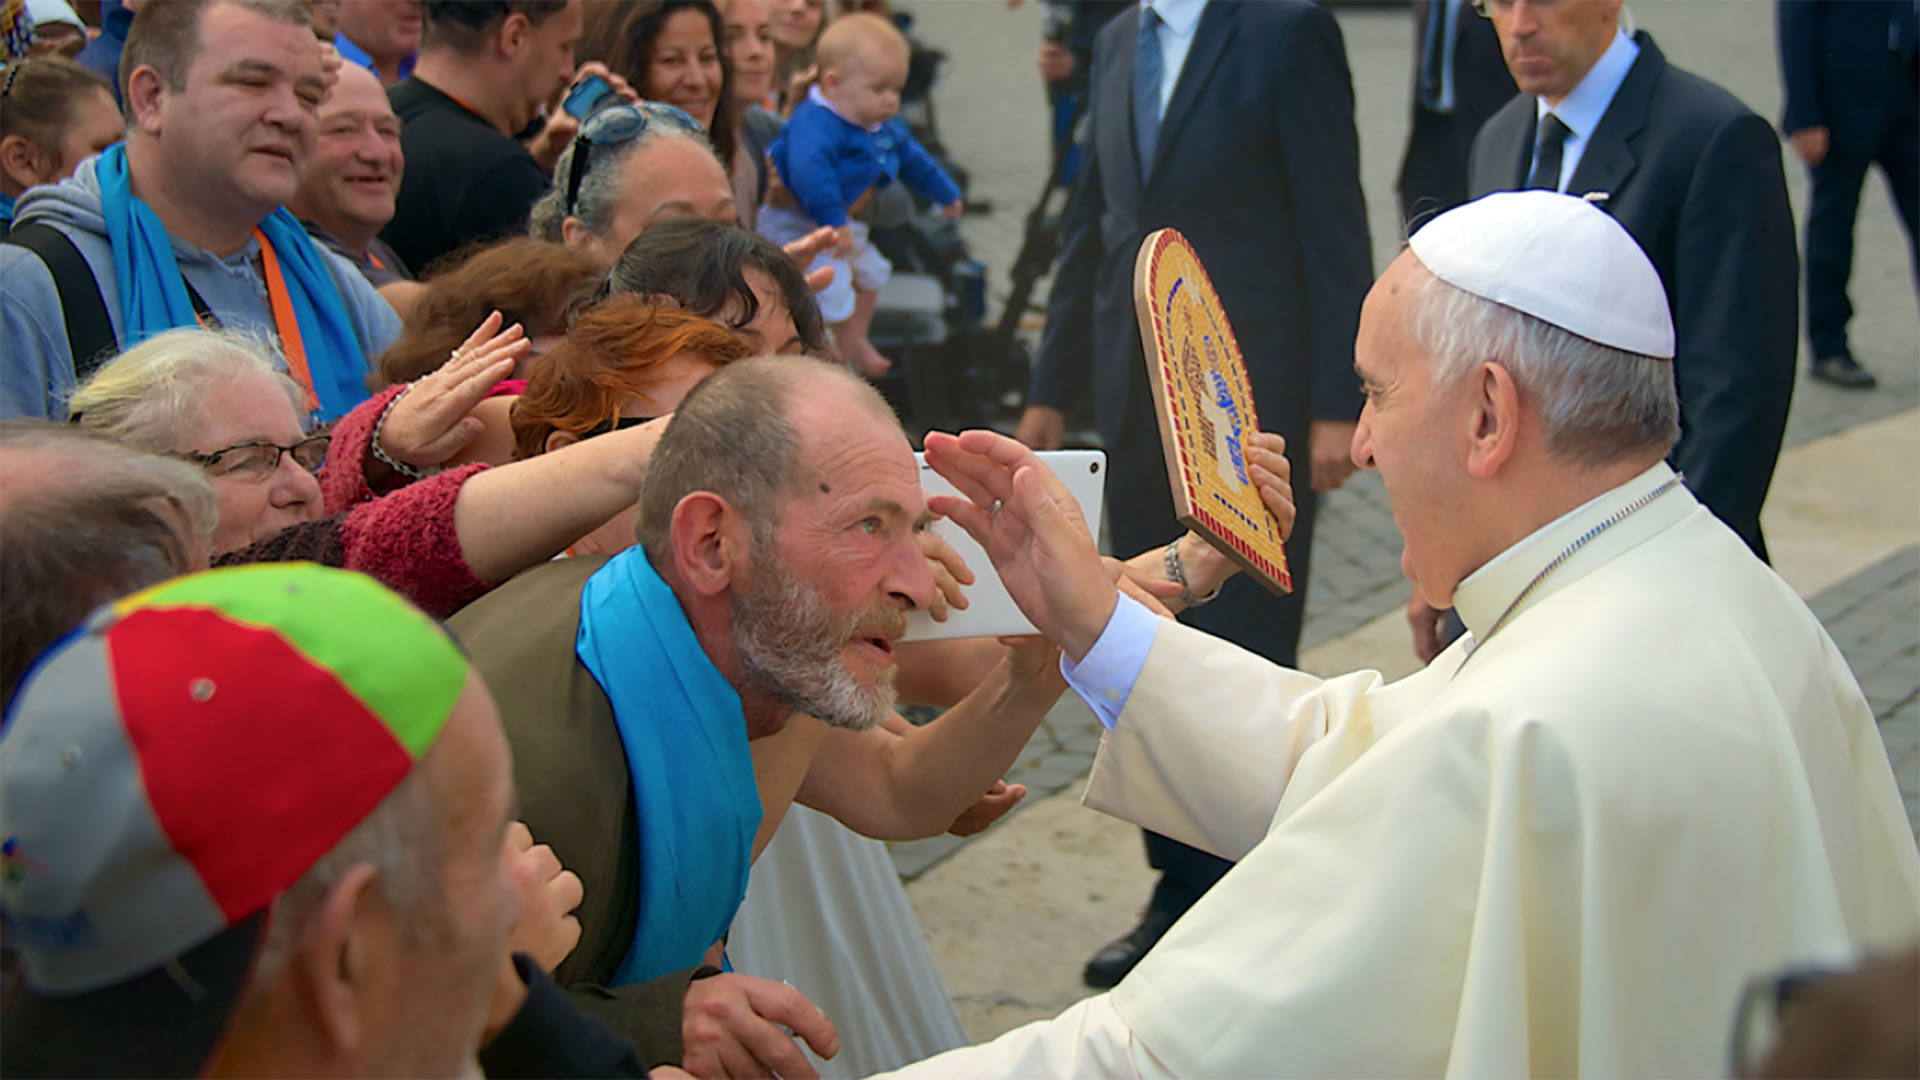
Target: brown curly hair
{"x":530,"y":282}
{"x":612,"y":352}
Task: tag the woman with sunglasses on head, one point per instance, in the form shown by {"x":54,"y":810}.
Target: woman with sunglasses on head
{"x":217,"y":399}
{"x":630,"y":166}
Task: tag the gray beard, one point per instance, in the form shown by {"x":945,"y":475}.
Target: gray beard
{"x":790,"y":642}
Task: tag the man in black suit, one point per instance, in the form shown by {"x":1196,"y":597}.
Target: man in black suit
{"x":1852,"y":74}
{"x":1459,"y":80}
{"x":1696,"y":177}
{"x":1232,"y":122}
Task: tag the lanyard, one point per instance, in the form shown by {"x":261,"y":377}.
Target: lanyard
{"x":285,"y":320}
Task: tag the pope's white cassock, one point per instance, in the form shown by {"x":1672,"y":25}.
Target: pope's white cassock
{"x":1560,"y":852}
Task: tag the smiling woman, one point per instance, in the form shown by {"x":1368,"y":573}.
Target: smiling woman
{"x":670,"y":50}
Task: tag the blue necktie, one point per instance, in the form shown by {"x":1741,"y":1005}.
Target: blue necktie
{"x":1146,"y":89}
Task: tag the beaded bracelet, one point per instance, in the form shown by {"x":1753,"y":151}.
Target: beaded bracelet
{"x":380,"y":454}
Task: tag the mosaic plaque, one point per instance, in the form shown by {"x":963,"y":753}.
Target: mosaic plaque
{"x":1205,"y":407}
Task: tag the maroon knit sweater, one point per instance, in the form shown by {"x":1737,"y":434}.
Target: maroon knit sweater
{"x":403,"y":539}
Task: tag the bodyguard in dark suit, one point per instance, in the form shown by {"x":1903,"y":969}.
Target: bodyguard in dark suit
{"x":1696,"y":177}
{"x":1852,"y":74}
{"x":1459,"y":80}
{"x":1232,"y":122}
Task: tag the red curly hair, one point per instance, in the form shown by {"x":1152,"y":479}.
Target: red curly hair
{"x":613,"y":351}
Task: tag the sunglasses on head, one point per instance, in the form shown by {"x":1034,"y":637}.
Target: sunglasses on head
{"x":618,"y":125}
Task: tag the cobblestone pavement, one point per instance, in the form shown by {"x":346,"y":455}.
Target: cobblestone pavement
{"x":989,"y":106}
{"x":1872,"y":617}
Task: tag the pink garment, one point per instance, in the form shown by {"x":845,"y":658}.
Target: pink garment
{"x":343,"y":483}
{"x":407,"y":541}
{"x":508,"y":388}
{"x":403,"y":536}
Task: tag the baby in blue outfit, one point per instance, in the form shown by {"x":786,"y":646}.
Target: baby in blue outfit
{"x":842,"y":142}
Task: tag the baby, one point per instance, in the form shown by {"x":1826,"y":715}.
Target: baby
{"x":842,"y":142}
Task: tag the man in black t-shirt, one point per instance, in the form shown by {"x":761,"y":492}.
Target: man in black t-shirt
{"x":485,"y":69}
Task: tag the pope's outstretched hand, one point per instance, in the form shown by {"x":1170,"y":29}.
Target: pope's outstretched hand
{"x":1031,"y":528}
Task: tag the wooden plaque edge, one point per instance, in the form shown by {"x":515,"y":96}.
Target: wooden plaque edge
{"x":1147,"y":314}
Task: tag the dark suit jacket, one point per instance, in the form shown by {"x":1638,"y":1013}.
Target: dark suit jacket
{"x":1696,"y":177}
{"x":1257,"y":163}
{"x":1433,"y":175}
{"x":1845,"y":64}
{"x":576,"y":795}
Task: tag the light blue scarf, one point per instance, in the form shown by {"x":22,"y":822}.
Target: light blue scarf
{"x":153,"y":295}
{"x":686,"y":742}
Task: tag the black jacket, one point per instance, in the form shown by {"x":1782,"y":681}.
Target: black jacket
{"x":1846,"y":64}
{"x":1696,"y":177}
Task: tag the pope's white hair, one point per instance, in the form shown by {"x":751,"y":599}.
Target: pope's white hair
{"x":1602,"y":405}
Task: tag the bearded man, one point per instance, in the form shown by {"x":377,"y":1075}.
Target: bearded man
{"x":779,"y":555}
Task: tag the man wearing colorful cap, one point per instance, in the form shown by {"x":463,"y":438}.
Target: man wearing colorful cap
{"x":1642,"y":776}
{"x":251,"y":823}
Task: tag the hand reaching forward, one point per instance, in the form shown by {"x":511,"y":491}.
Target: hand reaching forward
{"x":1031,"y":528}
{"x":431,"y":421}
{"x":730,"y":1026}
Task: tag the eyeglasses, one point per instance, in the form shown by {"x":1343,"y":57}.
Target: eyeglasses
{"x":1485,"y":8}
{"x":259,"y":460}
{"x":618,"y":423}
{"x":618,"y":125}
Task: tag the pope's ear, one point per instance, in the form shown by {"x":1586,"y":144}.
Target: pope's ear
{"x":1496,"y":421}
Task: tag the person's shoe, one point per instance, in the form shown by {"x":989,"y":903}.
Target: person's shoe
{"x":1843,"y":371}
{"x":1117,"y":957}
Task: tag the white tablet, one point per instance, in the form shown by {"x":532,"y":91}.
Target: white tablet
{"x":990,"y":611}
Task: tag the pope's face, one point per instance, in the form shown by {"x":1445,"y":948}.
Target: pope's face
{"x":1414,"y":432}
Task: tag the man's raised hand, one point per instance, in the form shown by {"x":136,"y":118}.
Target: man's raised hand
{"x":1031,"y":528}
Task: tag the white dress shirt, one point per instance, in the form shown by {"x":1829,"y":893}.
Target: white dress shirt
{"x":1582,"y":109}
{"x":1179,"y":19}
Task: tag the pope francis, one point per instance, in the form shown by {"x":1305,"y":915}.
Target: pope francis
{"x":1642,"y":777}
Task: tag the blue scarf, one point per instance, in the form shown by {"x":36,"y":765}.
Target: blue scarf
{"x":6,"y":209}
{"x":686,"y":742}
{"x":153,"y":295}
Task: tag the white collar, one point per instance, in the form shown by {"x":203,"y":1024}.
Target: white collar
{"x":814,"y":95}
{"x":1582,"y":109}
{"x":1486,"y":592}
{"x":1181,"y":16}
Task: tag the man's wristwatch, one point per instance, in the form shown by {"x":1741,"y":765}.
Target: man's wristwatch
{"x":1178,"y":573}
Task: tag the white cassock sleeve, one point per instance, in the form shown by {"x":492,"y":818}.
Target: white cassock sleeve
{"x":1087,"y":1040}
{"x":1209,"y":738}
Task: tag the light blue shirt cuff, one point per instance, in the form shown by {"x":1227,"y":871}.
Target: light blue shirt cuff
{"x":1104,"y":677}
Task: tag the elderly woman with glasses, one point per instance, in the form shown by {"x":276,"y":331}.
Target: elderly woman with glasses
{"x":217,"y":399}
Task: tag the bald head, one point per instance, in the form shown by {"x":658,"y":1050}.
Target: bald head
{"x":852,"y":38}
{"x":743,"y":434}
{"x":350,"y":187}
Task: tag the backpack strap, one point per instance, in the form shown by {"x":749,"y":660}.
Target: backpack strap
{"x":89,"y":332}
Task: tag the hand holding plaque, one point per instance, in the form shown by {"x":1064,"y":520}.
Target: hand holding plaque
{"x":1204,"y":403}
